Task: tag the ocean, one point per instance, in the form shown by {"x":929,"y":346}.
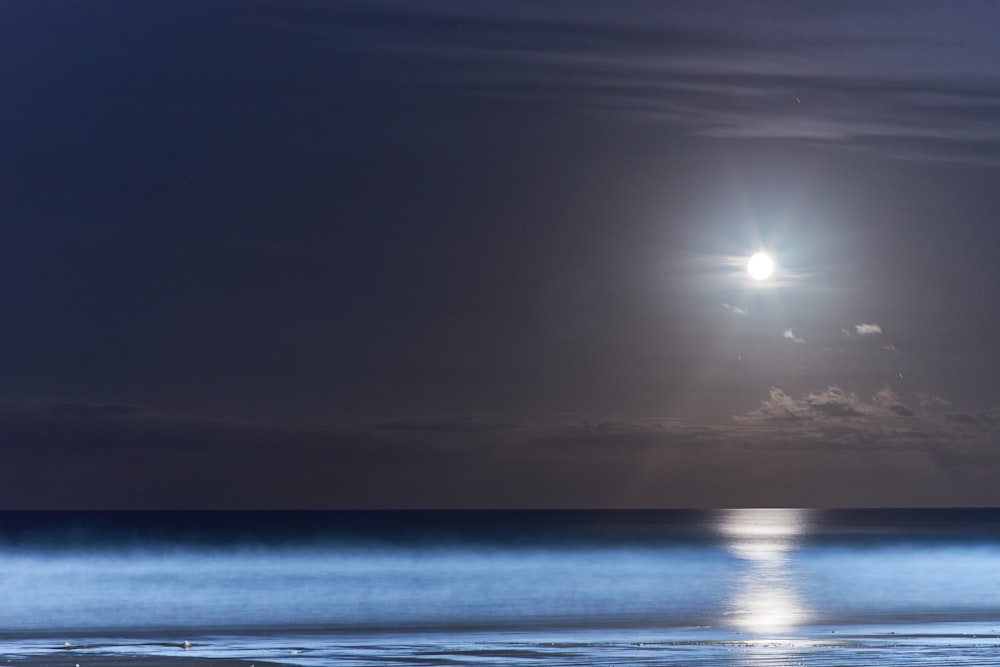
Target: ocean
{"x":724,"y":587}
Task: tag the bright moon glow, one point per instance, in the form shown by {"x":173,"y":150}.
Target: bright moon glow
{"x":766,"y":600}
{"x":760,"y":266}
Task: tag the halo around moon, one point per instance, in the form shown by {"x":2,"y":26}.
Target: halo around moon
{"x":760,"y":266}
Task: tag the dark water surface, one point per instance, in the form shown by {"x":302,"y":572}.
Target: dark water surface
{"x":748,"y":587}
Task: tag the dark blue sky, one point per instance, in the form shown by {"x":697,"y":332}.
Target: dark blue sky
{"x":453,"y":254}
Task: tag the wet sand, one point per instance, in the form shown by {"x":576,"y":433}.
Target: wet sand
{"x":71,"y":658}
{"x":925,"y":645}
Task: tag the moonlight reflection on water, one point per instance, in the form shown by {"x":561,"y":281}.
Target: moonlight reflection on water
{"x":766,"y":599}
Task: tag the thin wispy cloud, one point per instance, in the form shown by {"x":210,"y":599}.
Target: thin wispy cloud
{"x":928,"y":400}
{"x":445,"y":425}
{"x":910,"y":90}
{"x":735,"y":310}
{"x":68,"y":411}
{"x":989,"y":420}
{"x":513,"y":463}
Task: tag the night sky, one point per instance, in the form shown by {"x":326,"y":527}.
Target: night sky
{"x":426,"y":254}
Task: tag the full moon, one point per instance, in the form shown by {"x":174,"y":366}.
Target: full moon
{"x":760,"y":266}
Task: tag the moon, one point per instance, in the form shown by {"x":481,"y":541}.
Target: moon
{"x":760,"y":266}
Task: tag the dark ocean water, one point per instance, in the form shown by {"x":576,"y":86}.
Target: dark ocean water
{"x":757,"y":587}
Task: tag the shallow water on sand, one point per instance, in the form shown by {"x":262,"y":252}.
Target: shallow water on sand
{"x":758,"y":587}
{"x":930,"y":643}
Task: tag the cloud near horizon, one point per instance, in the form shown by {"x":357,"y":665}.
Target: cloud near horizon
{"x":832,"y":402}
{"x":445,"y":425}
{"x":57,"y":457}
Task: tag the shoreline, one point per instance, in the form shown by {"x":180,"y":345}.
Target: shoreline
{"x":71,"y":659}
{"x":899,"y":651}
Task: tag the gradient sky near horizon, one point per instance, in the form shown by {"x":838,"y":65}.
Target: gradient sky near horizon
{"x":395,"y":254}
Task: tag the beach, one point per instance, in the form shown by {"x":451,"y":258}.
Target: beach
{"x":78,"y":659}
{"x":938,"y":645}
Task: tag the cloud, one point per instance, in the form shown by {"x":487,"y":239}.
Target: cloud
{"x":779,"y":406}
{"x":830,"y":403}
{"x":735,"y":310}
{"x":961,"y":418}
{"x":104,"y":456}
{"x":610,"y":442}
{"x":928,"y":400}
{"x":968,"y":419}
{"x":885,"y":399}
{"x":958,"y":443}
{"x":790,"y":335}
{"x":60,"y":455}
{"x":445,"y":425}
{"x":907,"y":92}
{"x":867,"y":329}
{"x":66,"y":410}
{"x":614,"y":434}
{"x":959,"y":451}
{"x":833,"y":402}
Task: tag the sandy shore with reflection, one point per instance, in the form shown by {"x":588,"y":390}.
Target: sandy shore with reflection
{"x":73,"y":658}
